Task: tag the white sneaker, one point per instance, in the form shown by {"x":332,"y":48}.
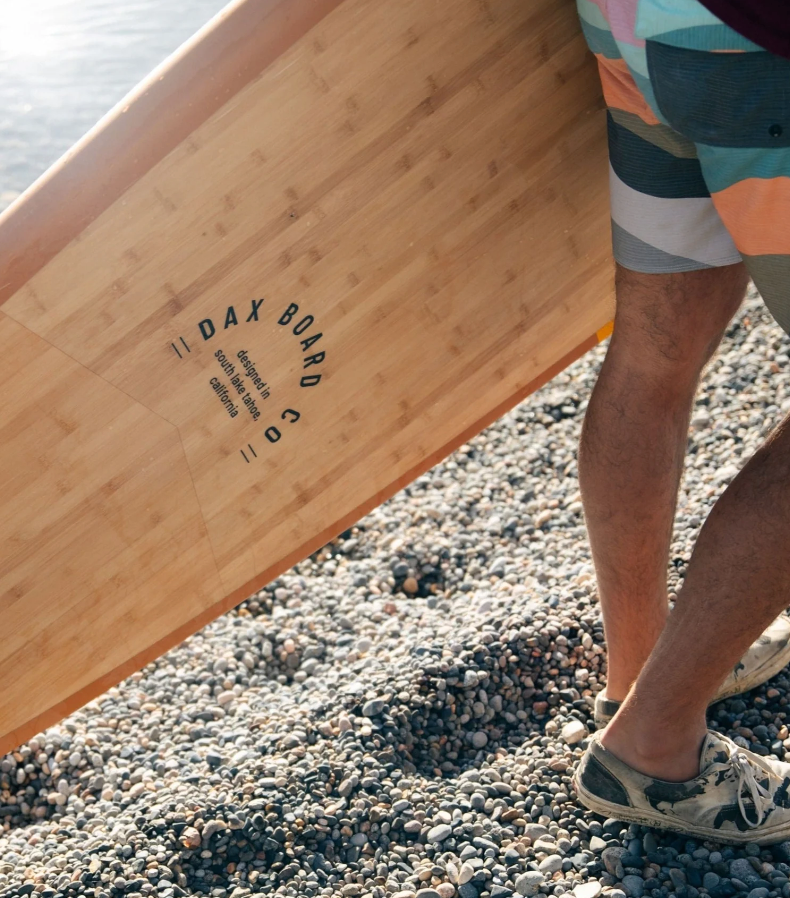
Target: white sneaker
{"x":738,"y":796}
{"x":769,"y":654}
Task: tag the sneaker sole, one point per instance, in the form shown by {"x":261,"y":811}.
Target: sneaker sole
{"x":757,"y":678}
{"x":766,"y":836}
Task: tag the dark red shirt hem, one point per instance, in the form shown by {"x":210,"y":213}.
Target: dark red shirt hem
{"x":766,"y":22}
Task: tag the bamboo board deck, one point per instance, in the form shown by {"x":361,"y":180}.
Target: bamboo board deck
{"x":323,"y":245}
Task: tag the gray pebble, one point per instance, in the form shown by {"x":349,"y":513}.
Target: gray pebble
{"x":550,"y":865}
{"x":440,"y":833}
{"x":535,"y":831}
{"x":634,"y":886}
{"x":612,"y":860}
{"x":741,"y":869}
{"x":529,"y":883}
{"x":479,"y":739}
{"x":374,"y":707}
{"x":710,"y":880}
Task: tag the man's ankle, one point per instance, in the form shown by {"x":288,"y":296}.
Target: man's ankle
{"x":616,"y":693}
{"x":671,"y":758}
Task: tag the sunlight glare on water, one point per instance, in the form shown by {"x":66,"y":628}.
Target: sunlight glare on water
{"x":23,"y":30}
{"x":65,"y":63}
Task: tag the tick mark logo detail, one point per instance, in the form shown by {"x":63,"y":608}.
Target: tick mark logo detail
{"x":252,"y":452}
{"x":238,"y":378}
{"x":184,"y":346}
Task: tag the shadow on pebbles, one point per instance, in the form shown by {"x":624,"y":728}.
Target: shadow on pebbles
{"x":400,"y":714}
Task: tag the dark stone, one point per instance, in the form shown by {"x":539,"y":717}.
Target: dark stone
{"x":724,"y":889}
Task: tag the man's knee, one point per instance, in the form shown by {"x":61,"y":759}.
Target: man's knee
{"x":676,"y":320}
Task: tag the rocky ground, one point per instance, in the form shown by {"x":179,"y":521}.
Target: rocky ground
{"x":401,"y":712}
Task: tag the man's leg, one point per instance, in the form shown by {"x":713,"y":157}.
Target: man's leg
{"x":737,"y":581}
{"x":633,"y":443}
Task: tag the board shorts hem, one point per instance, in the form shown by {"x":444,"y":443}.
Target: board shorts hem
{"x":698,"y":124}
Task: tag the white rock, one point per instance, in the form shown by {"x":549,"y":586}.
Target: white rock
{"x":466,"y":872}
{"x":591,"y":889}
{"x":550,"y":865}
{"x":529,"y":883}
{"x":727,"y":472}
{"x":573,"y":731}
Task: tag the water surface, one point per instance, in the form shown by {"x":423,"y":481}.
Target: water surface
{"x":65,"y":63}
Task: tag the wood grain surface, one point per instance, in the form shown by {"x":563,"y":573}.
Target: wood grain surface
{"x":223,"y":342}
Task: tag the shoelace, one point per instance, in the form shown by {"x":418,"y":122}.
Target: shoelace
{"x":763,"y":802}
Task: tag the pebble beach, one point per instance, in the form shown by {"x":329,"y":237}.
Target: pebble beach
{"x":399,"y":715}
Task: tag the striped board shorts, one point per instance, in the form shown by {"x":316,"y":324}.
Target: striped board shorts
{"x":699,"y":142}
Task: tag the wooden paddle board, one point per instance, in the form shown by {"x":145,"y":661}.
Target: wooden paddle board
{"x":315,"y":251}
